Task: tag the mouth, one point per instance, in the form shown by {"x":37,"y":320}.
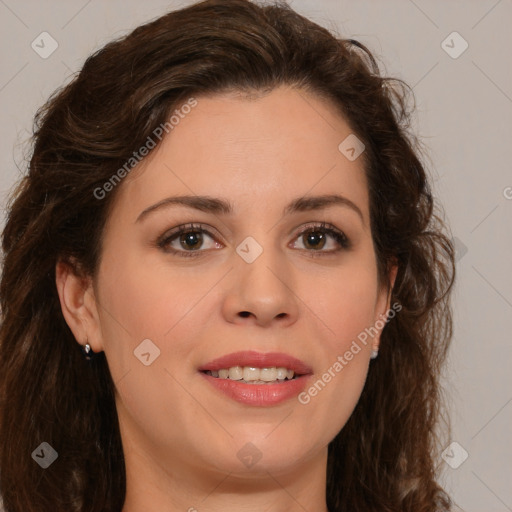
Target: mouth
{"x":254,"y":378}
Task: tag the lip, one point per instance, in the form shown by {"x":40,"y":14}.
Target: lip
{"x":258,"y":360}
{"x":259,"y":395}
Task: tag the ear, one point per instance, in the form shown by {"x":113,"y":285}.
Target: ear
{"x":78,"y":304}
{"x":384,"y":304}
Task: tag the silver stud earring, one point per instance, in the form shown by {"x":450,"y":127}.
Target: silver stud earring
{"x":88,"y":352}
{"x":374,"y":354}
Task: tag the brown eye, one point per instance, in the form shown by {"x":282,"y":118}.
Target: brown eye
{"x":189,"y":240}
{"x":314,"y":240}
{"x":323,"y":238}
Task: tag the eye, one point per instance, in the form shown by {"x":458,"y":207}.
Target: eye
{"x":192,"y":240}
{"x":322,"y":238}
{"x":188,"y":240}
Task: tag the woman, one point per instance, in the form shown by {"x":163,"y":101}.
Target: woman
{"x":225,"y":284}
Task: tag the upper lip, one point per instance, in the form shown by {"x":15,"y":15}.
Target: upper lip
{"x":258,"y":360}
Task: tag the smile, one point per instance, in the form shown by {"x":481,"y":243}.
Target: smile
{"x":257,"y":379}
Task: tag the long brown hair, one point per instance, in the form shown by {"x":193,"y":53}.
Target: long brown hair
{"x":384,"y":459}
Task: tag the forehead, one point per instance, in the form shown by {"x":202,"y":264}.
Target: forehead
{"x":262,"y":150}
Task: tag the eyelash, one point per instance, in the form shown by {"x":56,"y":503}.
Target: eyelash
{"x":324,"y":227}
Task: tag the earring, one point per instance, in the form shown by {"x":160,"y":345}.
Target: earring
{"x":87,"y":351}
{"x":374,"y":354}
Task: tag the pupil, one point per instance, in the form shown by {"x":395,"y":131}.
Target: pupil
{"x":315,"y":235}
{"x":190,"y":240}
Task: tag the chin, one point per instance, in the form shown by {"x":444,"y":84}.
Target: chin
{"x":259,"y":451}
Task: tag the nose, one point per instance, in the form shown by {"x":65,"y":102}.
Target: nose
{"x":262,"y":292}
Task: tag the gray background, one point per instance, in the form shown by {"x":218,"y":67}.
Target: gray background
{"x":464,"y":116}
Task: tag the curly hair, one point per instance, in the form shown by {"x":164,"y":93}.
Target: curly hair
{"x":385,"y":458}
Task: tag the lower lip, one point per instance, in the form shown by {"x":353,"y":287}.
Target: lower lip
{"x":261,"y":395}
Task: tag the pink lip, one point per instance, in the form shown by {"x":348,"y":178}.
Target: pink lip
{"x":261,"y":395}
{"x":258,"y":360}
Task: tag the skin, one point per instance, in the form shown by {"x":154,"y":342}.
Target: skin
{"x":180,"y":435}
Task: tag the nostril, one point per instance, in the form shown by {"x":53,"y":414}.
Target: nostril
{"x":244,"y":314}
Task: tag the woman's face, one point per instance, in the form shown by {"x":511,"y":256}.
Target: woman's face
{"x":169,"y":306}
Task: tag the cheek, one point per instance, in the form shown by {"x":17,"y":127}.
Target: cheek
{"x":141,"y":302}
{"x":149,"y":300}
{"x":336,"y":388}
{"x":347,"y":306}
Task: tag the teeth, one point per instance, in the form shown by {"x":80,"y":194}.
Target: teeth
{"x":282,"y":373}
{"x":236,"y":373}
{"x":253,"y":375}
{"x":268,"y":374}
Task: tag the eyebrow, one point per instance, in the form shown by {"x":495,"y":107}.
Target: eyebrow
{"x":222,"y":206}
